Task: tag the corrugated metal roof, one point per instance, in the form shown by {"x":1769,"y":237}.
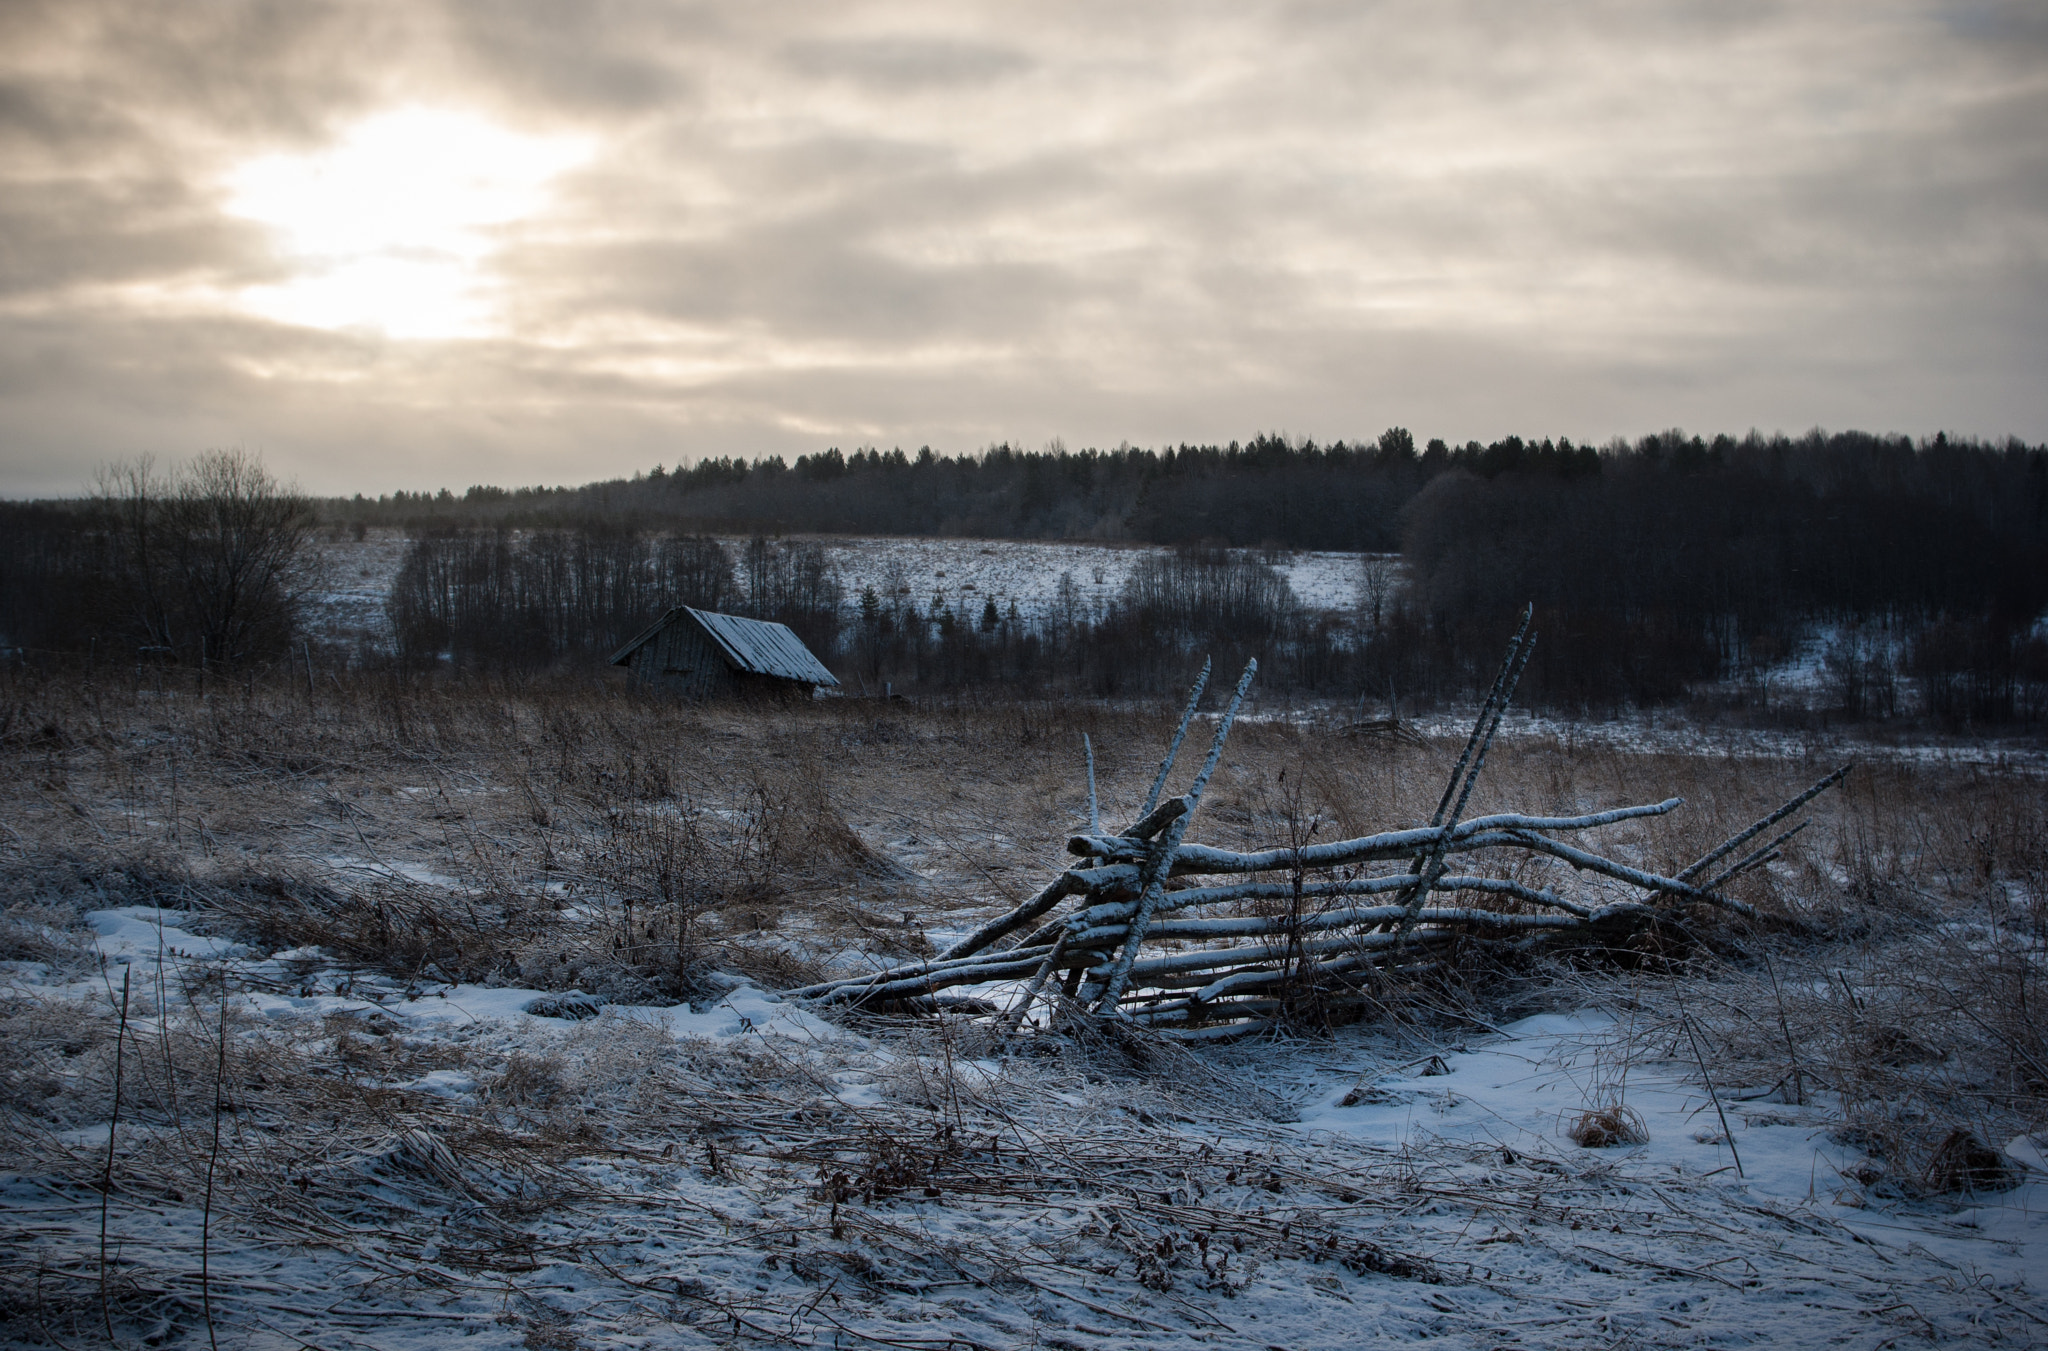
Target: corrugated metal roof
{"x":756,"y":646}
{"x":763,"y":648}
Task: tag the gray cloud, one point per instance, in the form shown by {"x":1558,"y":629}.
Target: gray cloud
{"x":619,"y":58}
{"x":904,"y":224}
{"x":905,"y":63}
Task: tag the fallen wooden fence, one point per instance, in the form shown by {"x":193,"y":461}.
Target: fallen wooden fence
{"x":1121,"y":954}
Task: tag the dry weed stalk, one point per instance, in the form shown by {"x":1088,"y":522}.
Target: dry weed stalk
{"x":1912,"y":1043}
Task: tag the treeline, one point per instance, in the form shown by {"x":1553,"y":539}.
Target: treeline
{"x":206,"y":564}
{"x":503,"y":600}
{"x":1679,"y":564}
{"x":498,"y":600}
{"x":1672,"y":567}
{"x":1270,"y":491}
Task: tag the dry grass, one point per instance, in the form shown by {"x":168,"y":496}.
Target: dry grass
{"x":579,"y":835}
{"x":1915,"y":1019}
{"x":728,"y":1192}
{"x":1605,"y":1127}
{"x":1915,"y":1042}
{"x":581,"y":838}
{"x":564,"y":837}
{"x":623,"y":1152}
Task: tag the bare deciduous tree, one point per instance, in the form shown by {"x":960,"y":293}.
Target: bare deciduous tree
{"x":1378,"y":574}
{"x":209,"y":560}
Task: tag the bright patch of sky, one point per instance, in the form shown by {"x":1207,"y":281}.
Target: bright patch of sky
{"x":393,"y":227}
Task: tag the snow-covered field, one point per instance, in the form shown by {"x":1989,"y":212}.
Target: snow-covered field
{"x":354,"y":581}
{"x":766,"y":1178}
{"x":1673,"y":732}
{"x":966,"y":572}
{"x":536,"y":1152}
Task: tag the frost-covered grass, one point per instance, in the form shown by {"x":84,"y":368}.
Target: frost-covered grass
{"x":394,"y":1170}
{"x":476,"y":983}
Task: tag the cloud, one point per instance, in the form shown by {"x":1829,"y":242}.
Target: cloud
{"x":905,"y":63}
{"x":905,"y":224}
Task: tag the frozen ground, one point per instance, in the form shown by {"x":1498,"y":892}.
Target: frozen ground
{"x":404,"y":1161}
{"x":543,"y":1156}
{"x":741,"y":1172}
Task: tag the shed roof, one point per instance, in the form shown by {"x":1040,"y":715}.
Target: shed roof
{"x":755,"y":646}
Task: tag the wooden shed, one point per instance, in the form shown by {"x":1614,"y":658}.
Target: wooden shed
{"x":700,"y":654}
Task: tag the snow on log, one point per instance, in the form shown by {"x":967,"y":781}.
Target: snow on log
{"x":1299,"y":928}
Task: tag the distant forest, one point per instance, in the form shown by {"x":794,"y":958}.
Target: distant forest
{"x":1671,"y":567}
{"x":1658,"y":567}
{"x":1268,"y":492}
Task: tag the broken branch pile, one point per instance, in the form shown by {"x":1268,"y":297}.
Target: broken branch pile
{"x":1199,"y":942}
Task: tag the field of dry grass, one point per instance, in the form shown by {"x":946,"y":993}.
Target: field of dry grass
{"x":580,"y":838}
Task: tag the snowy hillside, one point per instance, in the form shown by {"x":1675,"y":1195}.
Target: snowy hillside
{"x":357,"y":576}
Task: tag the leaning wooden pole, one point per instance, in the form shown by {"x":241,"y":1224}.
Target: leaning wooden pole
{"x":1057,"y":890}
{"x":1187,"y":715}
{"x":1494,"y":698}
{"x":1755,"y":858}
{"x":1094,"y":808}
{"x":1430,"y":867}
{"x":1062,"y":888}
{"x":1750,"y":832}
{"x":1161,"y":861}
{"x":1037,"y":985}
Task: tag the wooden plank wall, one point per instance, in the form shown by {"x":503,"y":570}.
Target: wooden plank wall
{"x":683,"y":660}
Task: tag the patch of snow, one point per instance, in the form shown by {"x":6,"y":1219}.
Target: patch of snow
{"x":1444,"y":1204}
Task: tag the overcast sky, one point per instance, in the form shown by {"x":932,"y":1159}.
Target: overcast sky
{"x":434,"y":242}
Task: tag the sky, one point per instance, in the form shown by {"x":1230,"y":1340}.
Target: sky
{"x":414,"y":243}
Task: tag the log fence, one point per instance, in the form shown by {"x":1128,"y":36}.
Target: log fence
{"x":1192,"y":941}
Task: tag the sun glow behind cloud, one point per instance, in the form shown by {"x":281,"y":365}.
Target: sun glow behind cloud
{"x":394,"y":228}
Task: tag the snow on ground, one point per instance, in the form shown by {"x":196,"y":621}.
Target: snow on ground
{"x":898,"y":1186}
{"x":357,"y":575}
{"x":1675,"y":732}
{"x":1519,"y":1091}
{"x":301,"y":982}
{"x":965,"y":572}
{"x":354,"y":581}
